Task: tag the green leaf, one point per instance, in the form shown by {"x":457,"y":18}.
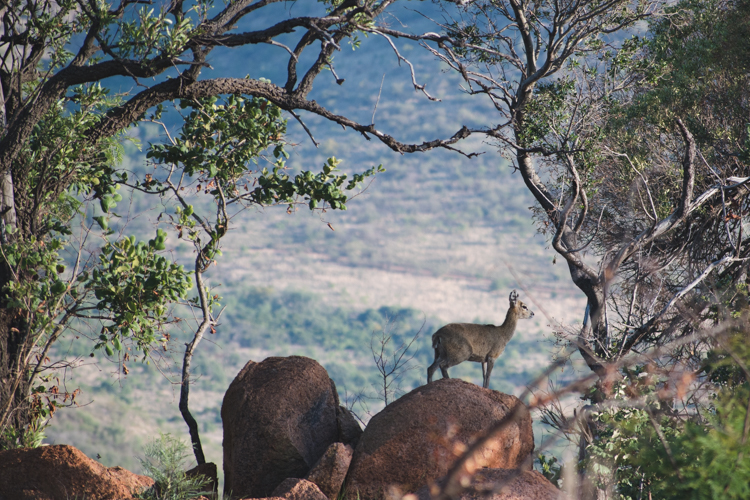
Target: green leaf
{"x":102,"y":221}
{"x":58,"y":287}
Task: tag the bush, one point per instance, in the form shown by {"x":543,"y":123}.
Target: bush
{"x":165,"y":463}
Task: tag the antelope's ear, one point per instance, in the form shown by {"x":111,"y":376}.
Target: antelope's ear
{"x":513,"y":297}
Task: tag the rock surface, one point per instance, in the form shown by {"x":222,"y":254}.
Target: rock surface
{"x":514,"y":484}
{"x":62,"y":472}
{"x":298,"y":489}
{"x":349,"y":429}
{"x":415,"y":439}
{"x":329,"y":473}
{"x":279,"y":418}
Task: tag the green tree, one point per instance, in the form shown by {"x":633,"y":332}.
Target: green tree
{"x":635,"y":147}
{"x":681,"y":139}
{"x":61,"y":140}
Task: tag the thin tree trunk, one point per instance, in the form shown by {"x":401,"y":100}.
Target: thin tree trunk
{"x":184,"y":397}
{"x":189,"y":350}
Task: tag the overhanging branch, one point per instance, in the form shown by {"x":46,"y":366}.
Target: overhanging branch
{"x":123,"y":116}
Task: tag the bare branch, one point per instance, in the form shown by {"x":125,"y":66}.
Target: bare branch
{"x":377,"y":101}
{"x":411,"y":66}
{"x":296,"y":116}
{"x":641,"y":332}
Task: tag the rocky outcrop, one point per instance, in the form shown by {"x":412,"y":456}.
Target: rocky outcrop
{"x":415,"y":439}
{"x":279,"y":418}
{"x":298,"y":489}
{"x":62,"y":472}
{"x":501,"y":484}
{"x":329,"y":473}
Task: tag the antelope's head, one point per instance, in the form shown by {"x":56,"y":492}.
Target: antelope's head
{"x":520,"y":309}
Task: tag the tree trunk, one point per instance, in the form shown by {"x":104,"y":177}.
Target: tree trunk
{"x":592,"y":344}
{"x":592,"y":340}
{"x":16,"y":412}
{"x":15,"y":407}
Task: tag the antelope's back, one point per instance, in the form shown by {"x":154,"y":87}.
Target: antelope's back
{"x":478,"y":337}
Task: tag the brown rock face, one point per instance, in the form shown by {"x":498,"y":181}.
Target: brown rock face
{"x":415,"y":439}
{"x":63,"y":472}
{"x":298,"y":489}
{"x":329,"y":473}
{"x":513,"y":485}
{"x":279,"y":417}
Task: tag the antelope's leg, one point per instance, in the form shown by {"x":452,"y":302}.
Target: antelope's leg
{"x":490,"y":364}
{"x":434,"y":366}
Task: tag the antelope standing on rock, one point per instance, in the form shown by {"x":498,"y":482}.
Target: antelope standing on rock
{"x":459,"y":342}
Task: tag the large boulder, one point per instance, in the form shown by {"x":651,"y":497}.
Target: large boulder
{"x":62,"y":472}
{"x":500,"y":484}
{"x":416,"y":439}
{"x":279,"y":418}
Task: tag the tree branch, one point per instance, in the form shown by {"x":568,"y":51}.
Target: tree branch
{"x":688,"y":171}
{"x":124,"y":115}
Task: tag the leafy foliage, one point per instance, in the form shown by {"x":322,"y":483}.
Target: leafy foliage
{"x":31,"y":437}
{"x":704,"y":456}
{"x":135,"y":285}
{"x":64,"y":186}
{"x":550,"y":468}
